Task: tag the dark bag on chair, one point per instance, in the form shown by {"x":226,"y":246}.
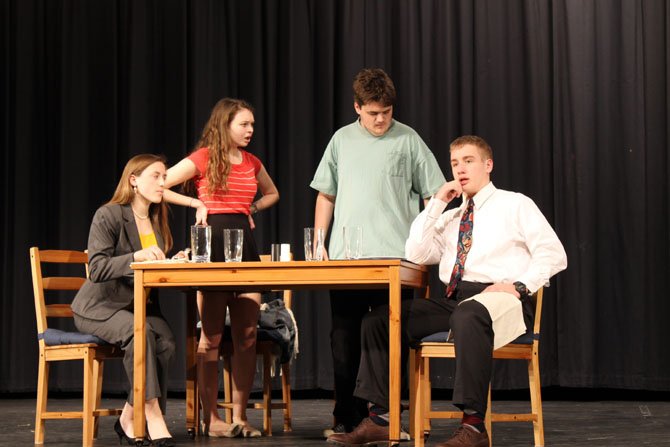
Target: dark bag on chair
{"x":275,"y":323}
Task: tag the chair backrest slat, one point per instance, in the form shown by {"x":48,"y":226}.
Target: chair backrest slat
{"x":63,"y":282}
{"x":64,"y":256}
{"x":40,"y":283}
{"x":59,"y":310}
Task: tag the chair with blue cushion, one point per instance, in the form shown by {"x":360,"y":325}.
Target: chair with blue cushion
{"x":526,"y":348}
{"x":56,"y":345}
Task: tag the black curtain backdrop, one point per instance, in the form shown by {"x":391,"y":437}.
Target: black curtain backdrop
{"x":572,"y":95}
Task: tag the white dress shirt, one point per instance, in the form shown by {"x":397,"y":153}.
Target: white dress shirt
{"x":511,"y":240}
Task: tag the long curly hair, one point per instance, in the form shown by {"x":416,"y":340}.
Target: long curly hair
{"x":216,"y":137}
{"x":124,"y":194}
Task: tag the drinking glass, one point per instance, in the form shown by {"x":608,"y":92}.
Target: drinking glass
{"x":353,"y":242}
{"x":232,"y":244}
{"x":275,"y":252}
{"x":309,"y":244}
{"x":201,"y":243}
{"x":314,"y":247}
{"x":320,"y":241}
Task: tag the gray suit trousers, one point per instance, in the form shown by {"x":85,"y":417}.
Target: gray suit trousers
{"x":118,"y":330}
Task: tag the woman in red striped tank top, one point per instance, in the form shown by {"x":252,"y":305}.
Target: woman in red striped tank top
{"x":226,"y":179}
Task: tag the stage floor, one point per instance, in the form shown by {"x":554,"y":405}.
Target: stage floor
{"x":567,"y":424}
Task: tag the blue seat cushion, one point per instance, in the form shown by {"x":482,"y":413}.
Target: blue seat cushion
{"x":437,"y":337}
{"x":55,"y":337}
{"x":526,"y":339}
{"x":441,"y":337}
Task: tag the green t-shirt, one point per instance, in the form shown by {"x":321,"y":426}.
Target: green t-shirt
{"x":377,"y":183}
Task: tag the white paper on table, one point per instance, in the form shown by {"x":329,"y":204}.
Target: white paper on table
{"x":506,"y":314}
{"x":163,"y":261}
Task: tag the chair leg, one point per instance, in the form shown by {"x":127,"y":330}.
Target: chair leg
{"x":267,"y":394}
{"x":286,"y":395}
{"x":426,"y":396}
{"x":89,"y":399}
{"x":98,"y":368}
{"x":417,"y":398}
{"x":487,"y":417}
{"x":41,"y":404}
{"x":536,"y":399}
{"x":227,"y":388}
{"x":413,"y":377}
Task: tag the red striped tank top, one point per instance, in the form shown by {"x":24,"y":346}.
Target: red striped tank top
{"x":242,"y":184}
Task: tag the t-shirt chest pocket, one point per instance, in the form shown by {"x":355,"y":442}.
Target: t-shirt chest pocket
{"x":396,"y":163}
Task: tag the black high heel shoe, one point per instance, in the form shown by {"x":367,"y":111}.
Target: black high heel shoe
{"x":164,"y":442}
{"x":122,"y":434}
{"x":124,"y":437}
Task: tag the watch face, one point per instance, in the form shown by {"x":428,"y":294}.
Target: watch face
{"x":521,"y":288}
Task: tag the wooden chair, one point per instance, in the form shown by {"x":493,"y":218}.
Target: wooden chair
{"x":56,"y":346}
{"x":268,"y":350}
{"x":525,"y":347}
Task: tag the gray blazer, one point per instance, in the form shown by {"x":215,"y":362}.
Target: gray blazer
{"x":112,"y":240}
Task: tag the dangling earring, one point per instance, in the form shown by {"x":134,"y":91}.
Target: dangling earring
{"x":135,"y":189}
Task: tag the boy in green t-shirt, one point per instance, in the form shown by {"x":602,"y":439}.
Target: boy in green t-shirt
{"x":373,"y":175}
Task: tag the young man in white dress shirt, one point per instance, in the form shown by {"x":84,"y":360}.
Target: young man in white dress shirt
{"x":512,"y":249}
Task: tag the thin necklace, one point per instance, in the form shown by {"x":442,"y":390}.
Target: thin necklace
{"x":145,"y":217}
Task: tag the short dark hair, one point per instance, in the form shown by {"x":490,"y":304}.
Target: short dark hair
{"x":373,"y":85}
{"x":484,"y":148}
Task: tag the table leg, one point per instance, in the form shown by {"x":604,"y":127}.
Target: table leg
{"x":394,"y":355}
{"x":139,"y":369}
{"x":192,"y":407}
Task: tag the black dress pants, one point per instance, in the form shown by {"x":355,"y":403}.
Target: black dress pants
{"x":349,"y":308}
{"x":473,"y":335}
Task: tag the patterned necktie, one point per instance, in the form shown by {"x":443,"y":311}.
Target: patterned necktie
{"x":464,"y":244}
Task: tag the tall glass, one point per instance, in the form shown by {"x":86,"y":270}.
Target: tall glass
{"x":201,"y":243}
{"x":233,"y":240}
{"x":314,"y":244}
{"x":353,"y":242}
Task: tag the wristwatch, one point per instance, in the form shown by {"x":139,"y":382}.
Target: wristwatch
{"x":521,"y":289}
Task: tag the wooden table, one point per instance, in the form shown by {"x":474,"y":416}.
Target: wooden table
{"x":296,"y":275}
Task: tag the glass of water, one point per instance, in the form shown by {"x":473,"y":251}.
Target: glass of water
{"x":232,"y":244}
{"x":353,"y":242}
{"x":201,"y":243}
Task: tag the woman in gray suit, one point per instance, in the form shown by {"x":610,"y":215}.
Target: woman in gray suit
{"x":131,"y":227}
